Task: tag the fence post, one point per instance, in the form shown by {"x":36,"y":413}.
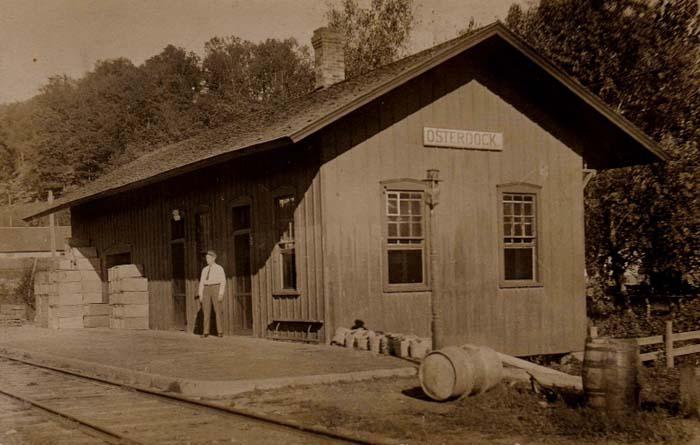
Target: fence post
{"x":593,"y":332}
{"x":668,"y":343}
{"x":52,"y":227}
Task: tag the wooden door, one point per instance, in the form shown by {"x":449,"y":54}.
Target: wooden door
{"x":179,"y":274}
{"x":241,"y":276}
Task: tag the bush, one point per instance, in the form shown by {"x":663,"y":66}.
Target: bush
{"x":520,"y":411}
{"x":24,"y":293}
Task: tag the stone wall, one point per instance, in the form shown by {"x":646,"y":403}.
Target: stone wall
{"x":128,"y":297}
{"x":71,"y":296}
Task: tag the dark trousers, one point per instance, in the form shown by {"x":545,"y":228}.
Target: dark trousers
{"x":211,"y":296}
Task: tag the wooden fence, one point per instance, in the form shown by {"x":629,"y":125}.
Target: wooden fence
{"x":667,"y":340}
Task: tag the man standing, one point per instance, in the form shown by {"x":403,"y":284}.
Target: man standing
{"x":212,"y":285}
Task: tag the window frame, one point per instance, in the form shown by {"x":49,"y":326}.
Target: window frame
{"x":201,"y":251}
{"x":243,"y":201}
{"x":277,"y":269}
{"x":404,"y":185}
{"x":530,"y":189}
{"x":182,"y":241}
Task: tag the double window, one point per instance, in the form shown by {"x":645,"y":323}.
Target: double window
{"x":519,"y":235}
{"x":405,"y":236}
{"x":286,"y":279}
{"x":177,"y":254}
{"x":202,"y":235}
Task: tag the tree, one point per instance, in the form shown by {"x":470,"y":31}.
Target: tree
{"x":641,"y":58}
{"x":57,"y":144}
{"x":245,"y":73}
{"x":170,"y":85}
{"x":374,"y":36}
{"x":280,"y":70}
{"x":19,"y":137}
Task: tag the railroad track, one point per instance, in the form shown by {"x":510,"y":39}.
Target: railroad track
{"x":103,"y":411}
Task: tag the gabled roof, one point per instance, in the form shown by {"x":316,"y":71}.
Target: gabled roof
{"x":308,"y":114}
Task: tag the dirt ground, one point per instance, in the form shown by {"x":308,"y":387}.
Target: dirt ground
{"x":397,"y":408}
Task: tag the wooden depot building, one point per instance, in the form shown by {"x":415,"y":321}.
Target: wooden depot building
{"x":319,"y":210}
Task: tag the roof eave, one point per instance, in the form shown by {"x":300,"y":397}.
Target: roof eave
{"x":496,"y":28}
{"x":223,"y":157}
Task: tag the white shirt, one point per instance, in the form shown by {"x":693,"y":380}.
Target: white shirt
{"x":216,"y":275}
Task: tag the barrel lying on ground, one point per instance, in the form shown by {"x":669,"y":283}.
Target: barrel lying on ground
{"x":611,"y":374}
{"x":455,"y":371}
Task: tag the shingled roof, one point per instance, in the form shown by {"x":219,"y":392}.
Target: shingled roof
{"x":308,"y":114}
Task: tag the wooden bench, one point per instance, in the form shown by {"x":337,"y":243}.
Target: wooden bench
{"x":310,"y":324}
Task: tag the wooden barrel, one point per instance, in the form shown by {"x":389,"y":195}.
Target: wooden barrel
{"x":339,"y":337}
{"x":350,"y":340}
{"x":459,"y":370}
{"x":610,"y":374}
{"x":487,"y":361}
{"x":362,"y":342}
{"x":374,"y":343}
{"x":418,"y":348}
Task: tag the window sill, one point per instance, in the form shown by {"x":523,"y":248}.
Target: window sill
{"x":286,"y":293}
{"x":519,"y":284}
{"x":404,"y":288}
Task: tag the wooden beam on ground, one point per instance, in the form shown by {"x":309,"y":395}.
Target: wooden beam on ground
{"x":545,"y":376}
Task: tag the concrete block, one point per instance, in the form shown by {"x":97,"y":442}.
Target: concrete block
{"x":41,"y":277}
{"x":96,"y":321}
{"x":66,"y":323}
{"x":16,"y":311}
{"x":45,"y":289}
{"x":41,"y":316}
{"x":128,"y":323}
{"x":83,"y":252}
{"x":133,"y":284}
{"x":125,"y":271}
{"x":87,"y":263}
{"x":92,"y":297}
{"x":67,"y":276}
{"x":69,"y":288}
{"x":56,"y":300}
{"x":690,"y":391}
{"x":67,"y":311}
{"x":129,"y":298}
{"x":90,"y":275}
{"x":97,"y":309}
{"x":66,"y":265}
{"x":129,"y":310}
{"x":91,"y":286}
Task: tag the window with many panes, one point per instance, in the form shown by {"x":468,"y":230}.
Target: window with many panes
{"x":519,"y":233}
{"x":286,"y":280}
{"x":202,"y":236}
{"x":405,"y":231}
{"x":177,"y":254}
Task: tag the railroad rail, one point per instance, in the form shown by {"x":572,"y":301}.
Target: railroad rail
{"x":119,"y":413}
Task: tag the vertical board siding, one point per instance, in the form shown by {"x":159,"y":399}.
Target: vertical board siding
{"x":521,"y":321}
{"x":142,"y":220}
{"x":339,"y":223}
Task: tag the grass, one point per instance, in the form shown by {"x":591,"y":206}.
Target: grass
{"x":519,"y":411}
{"x":505,"y":415}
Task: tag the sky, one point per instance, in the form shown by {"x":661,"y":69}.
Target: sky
{"x":41,"y":38}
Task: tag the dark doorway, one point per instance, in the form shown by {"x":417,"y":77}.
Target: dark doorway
{"x":177,"y":261}
{"x":242,"y":286}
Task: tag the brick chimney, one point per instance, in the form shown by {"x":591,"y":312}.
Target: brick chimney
{"x":330,"y":58}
